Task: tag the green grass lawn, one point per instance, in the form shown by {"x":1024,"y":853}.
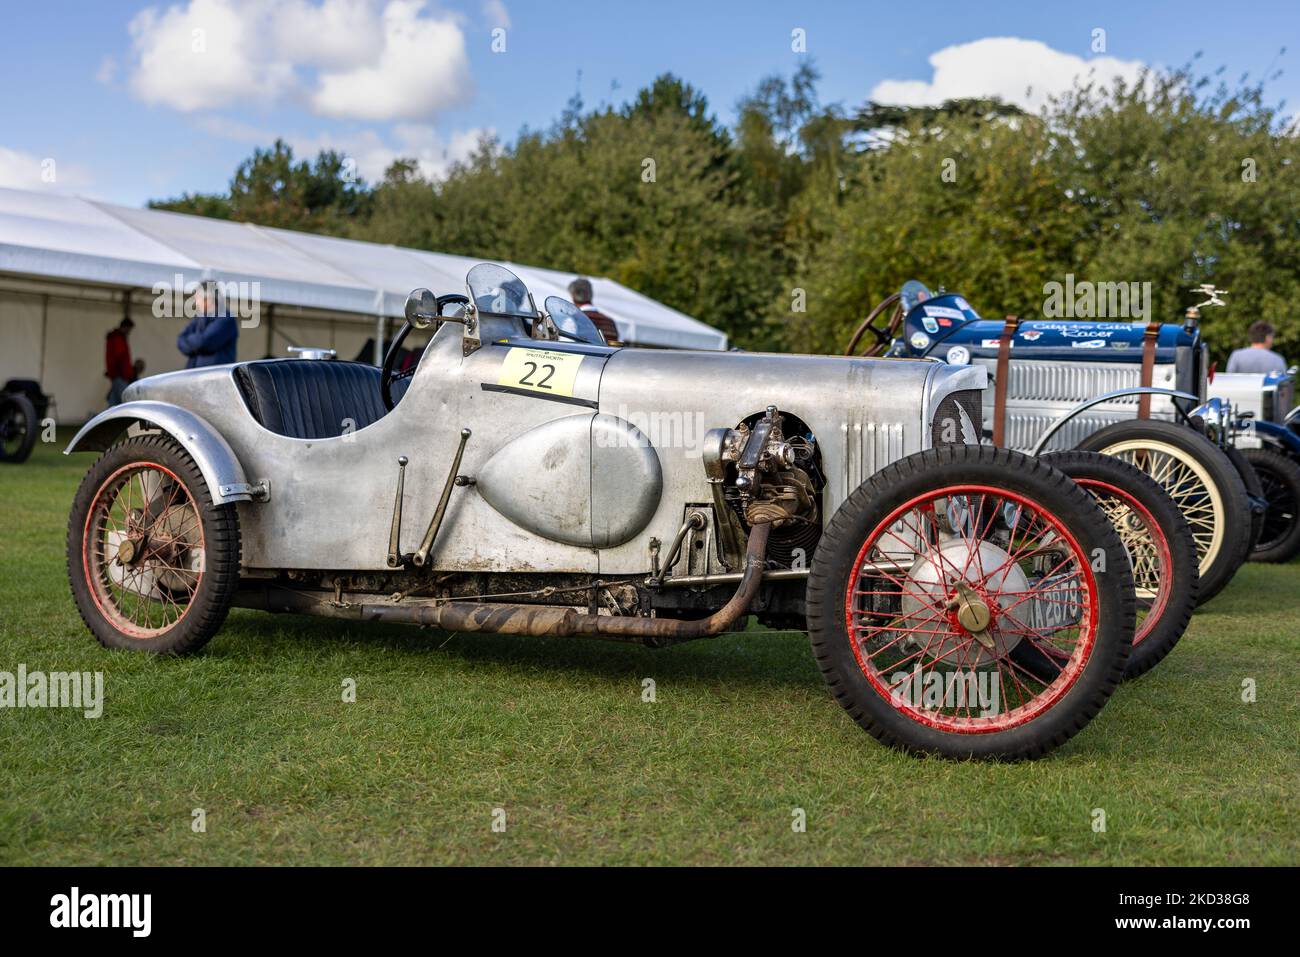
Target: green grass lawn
{"x":445,"y":729}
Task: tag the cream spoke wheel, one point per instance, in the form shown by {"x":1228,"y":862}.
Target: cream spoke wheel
{"x":1188,"y":483}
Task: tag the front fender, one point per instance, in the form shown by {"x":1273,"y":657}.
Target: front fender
{"x":1274,"y":434}
{"x":210,"y":452}
{"x":1069,"y":414}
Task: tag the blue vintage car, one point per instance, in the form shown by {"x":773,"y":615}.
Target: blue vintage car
{"x":1132,"y":389}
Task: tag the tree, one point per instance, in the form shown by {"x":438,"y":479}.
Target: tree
{"x":320,"y":196}
{"x":212,"y":205}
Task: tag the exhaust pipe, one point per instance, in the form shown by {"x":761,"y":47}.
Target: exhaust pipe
{"x":536,"y":620}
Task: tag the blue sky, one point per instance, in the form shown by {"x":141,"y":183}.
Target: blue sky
{"x":131,"y":103}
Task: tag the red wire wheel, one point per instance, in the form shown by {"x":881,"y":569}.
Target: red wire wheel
{"x":936,"y":609}
{"x":152,"y":561}
{"x":143,"y":553}
{"x":971,"y":602}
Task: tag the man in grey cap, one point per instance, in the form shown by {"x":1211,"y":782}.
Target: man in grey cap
{"x":1260,"y":357}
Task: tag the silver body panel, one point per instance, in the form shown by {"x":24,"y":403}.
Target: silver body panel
{"x":1250,"y":392}
{"x":331,"y":500}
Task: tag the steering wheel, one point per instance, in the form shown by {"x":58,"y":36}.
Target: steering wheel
{"x":884,"y":330}
{"x":386,"y":376}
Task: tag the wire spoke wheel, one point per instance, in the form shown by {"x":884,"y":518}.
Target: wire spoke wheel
{"x":1148,"y":551}
{"x":144,"y":549}
{"x":1188,"y":484}
{"x":1279,"y":479}
{"x":1281,"y":514}
{"x":948,"y":586}
{"x":971,"y":602}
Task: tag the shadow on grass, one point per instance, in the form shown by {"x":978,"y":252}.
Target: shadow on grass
{"x":756,"y":657}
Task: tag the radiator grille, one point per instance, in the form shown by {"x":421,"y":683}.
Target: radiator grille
{"x":1025,"y":428}
{"x":1069,"y":381}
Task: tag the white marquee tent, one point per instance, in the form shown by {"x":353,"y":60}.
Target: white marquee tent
{"x":71,"y":268}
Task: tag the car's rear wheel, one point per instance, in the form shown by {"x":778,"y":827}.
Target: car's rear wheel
{"x":17,"y":428}
{"x":1159,"y":544}
{"x":932,"y":574}
{"x":1201,"y":481}
{"x":153,"y":563}
{"x":1279,"y":478}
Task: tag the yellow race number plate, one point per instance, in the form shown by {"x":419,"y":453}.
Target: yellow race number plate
{"x":540,"y":370}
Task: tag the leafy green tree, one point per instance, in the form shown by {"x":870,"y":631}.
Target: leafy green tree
{"x":212,"y":205}
{"x":1180,"y":181}
{"x":968,"y":206}
{"x":649,"y":195}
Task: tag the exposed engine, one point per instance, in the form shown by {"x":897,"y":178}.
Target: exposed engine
{"x":765,"y":471}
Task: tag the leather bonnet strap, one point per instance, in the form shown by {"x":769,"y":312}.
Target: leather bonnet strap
{"x":1148,"y":366}
{"x":1001,"y":375}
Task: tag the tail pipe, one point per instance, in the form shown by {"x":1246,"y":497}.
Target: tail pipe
{"x":537,"y":620}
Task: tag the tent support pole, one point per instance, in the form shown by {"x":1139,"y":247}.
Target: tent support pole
{"x":381,"y":334}
{"x":45,"y":329}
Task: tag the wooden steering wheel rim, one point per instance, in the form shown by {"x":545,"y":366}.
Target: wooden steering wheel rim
{"x":883,"y":336}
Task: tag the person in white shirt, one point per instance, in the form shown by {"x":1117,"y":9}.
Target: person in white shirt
{"x":1260,"y":357}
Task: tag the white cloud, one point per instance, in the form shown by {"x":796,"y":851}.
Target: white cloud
{"x":422,"y":69}
{"x":209,"y":53}
{"x":354,"y":59}
{"x":372,"y":152}
{"x":1024,"y":72}
{"x":337,"y":34}
{"x":19,"y":170}
{"x":495,"y":13}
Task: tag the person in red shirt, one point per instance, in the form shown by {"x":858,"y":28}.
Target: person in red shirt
{"x":580,"y":293}
{"x":118,"y":367}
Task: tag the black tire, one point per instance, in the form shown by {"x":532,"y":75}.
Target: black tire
{"x":204,"y":573}
{"x":1254,"y":493}
{"x":1221,"y":521}
{"x":1171,"y":563}
{"x":1279,"y":477}
{"x":871,"y":508}
{"x":18,"y":428}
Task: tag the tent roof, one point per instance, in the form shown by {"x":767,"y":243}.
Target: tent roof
{"x":79,"y":240}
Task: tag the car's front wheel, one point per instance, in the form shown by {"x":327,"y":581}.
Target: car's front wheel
{"x":152,"y":561}
{"x":1279,"y":479}
{"x":942,"y":580}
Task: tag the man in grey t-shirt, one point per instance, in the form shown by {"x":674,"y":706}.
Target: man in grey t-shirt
{"x":1260,"y":357}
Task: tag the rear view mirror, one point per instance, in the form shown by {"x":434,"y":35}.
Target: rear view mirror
{"x":421,"y":308}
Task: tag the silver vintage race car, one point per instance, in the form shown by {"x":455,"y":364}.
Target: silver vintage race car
{"x":527,"y":478}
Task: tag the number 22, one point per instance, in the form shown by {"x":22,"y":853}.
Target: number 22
{"x":526,"y":379}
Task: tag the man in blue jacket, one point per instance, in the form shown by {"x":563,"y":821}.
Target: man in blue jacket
{"x":209,"y":339}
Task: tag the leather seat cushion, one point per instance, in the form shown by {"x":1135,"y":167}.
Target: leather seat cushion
{"x":311,"y":398}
